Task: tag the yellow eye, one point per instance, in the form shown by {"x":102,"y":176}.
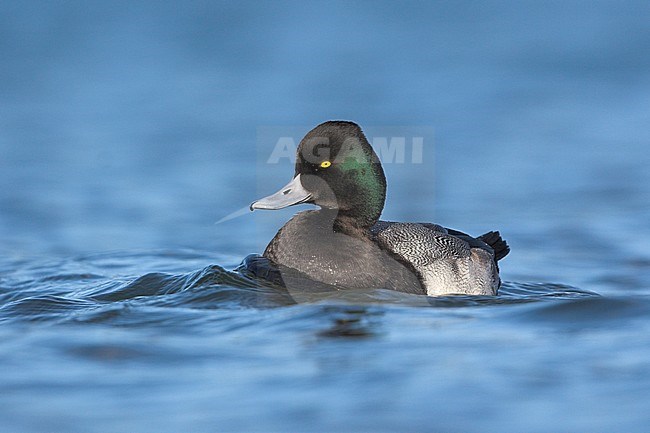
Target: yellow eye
{"x":325,"y":164}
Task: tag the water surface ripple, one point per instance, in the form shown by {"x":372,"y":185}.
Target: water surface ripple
{"x":85,"y":327}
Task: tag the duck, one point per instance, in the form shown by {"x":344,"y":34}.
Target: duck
{"x":343,"y":243}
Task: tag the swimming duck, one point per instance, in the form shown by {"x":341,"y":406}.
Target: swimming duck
{"x":344,"y":244}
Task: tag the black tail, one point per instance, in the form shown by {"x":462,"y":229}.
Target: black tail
{"x":500,"y":247}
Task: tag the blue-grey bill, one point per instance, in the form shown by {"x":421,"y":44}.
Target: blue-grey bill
{"x":292,"y":193}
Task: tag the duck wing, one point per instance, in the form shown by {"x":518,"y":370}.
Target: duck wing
{"x":419,"y":243}
{"x":446,"y":260}
{"x":491,"y":241}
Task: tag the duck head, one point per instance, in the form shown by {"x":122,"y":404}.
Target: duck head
{"x":336,"y":168}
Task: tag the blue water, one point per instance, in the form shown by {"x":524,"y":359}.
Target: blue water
{"x":128,"y":130}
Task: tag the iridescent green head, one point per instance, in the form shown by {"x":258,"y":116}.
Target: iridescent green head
{"x":336,"y":168}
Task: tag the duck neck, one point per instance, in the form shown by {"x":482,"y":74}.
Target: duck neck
{"x":356,"y":219}
{"x":361,"y":207}
{"x":351,"y":225}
